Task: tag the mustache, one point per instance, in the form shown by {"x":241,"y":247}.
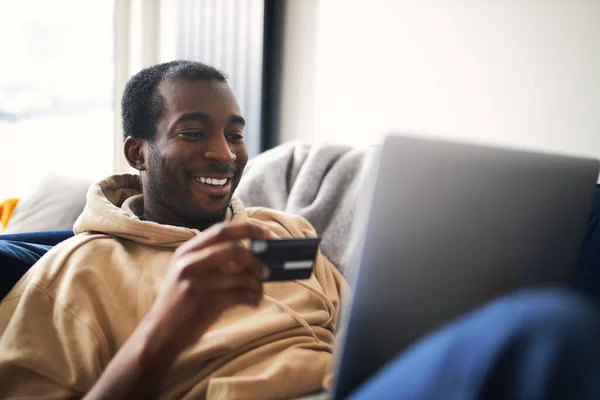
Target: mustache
{"x":221,"y":169}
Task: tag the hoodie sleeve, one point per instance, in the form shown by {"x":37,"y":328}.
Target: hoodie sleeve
{"x":46,"y":350}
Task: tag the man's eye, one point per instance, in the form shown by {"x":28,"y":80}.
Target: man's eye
{"x":192,"y":135}
{"x":235,"y":138}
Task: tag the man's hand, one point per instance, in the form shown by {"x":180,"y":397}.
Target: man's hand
{"x":208,"y":274}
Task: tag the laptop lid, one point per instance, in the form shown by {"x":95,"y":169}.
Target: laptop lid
{"x":449,"y":226}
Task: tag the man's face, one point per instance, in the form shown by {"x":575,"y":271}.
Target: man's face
{"x":198,"y":155}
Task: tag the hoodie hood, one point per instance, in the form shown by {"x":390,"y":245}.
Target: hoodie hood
{"x":114,"y":206}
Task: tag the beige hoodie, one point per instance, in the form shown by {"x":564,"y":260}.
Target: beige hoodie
{"x":70,"y":314}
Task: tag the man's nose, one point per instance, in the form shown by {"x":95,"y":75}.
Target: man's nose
{"x":219,"y":151}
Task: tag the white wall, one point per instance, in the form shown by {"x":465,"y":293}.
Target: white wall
{"x":511,"y":71}
{"x":297,"y":110}
{"x":55,"y":79}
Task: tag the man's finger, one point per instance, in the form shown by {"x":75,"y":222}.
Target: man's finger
{"x":233,"y":231}
{"x":225,"y":257}
{"x":248,"y":262}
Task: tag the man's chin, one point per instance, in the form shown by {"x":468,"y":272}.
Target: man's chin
{"x":209,"y":208}
{"x":214,"y":204}
{"x":209,"y":213}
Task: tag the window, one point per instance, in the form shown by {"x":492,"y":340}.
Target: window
{"x":56,"y":90}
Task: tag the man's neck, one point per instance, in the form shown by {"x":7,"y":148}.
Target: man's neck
{"x":165,"y":216}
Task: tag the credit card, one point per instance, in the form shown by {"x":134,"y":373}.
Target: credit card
{"x":288,"y":259}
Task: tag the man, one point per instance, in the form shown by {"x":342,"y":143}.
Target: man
{"x":116,"y":312}
{"x":157,"y":297}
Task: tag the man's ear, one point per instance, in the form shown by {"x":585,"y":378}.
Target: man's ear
{"x":135,"y":152}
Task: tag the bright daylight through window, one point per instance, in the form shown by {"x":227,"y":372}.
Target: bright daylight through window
{"x":56,"y":90}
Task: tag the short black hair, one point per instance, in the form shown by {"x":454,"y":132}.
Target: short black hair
{"x":142,"y":105}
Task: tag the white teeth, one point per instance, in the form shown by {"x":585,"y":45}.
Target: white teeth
{"x":212,"y":181}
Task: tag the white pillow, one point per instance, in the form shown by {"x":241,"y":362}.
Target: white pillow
{"x":55,"y":204}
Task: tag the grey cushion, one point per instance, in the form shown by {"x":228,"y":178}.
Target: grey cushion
{"x":54,"y":204}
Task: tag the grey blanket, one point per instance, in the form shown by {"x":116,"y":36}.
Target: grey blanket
{"x":323,"y":183}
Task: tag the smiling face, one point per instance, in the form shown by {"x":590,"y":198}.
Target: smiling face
{"x":192,"y":167}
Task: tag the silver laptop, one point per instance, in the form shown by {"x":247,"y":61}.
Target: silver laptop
{"x":449,"y":226}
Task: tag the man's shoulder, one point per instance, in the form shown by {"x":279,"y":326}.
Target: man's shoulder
{"x":86,"y":246}
{"x":84,"y":249}
{"x":281,"y":223}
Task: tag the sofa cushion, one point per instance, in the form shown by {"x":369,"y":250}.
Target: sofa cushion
{"x":54,"y":205}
